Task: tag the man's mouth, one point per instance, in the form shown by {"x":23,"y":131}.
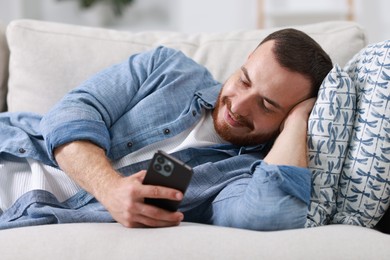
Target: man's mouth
{"x":231,"y":119}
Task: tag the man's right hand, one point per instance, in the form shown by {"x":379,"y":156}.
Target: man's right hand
{"x":125,"y":201}
{"x":123,"y":197}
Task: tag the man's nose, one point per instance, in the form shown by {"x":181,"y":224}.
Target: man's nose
{"x":242,"y":104}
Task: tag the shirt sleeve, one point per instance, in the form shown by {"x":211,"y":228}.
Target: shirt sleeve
{"x":273,"y":198}
{"x":88,"y":111}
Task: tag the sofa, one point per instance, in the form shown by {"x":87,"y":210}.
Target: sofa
{"x":40,"y":61}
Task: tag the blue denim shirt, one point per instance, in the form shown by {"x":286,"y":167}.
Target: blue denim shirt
{"x":150,"y":97}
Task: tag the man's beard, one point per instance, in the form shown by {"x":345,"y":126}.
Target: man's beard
{"x":225,"y":131}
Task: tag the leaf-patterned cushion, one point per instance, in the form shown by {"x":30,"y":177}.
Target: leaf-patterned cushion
{"x":349,"y":142}
{"x":364,"y":185}
{"x":329,"y":131}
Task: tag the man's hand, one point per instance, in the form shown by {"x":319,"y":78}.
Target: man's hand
{"x":299,"y":114}
{"x":290,"y":146}
{"x":125,"y":201}
{"x":123,"y":197}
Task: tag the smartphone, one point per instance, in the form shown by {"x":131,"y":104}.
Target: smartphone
{"x":165,"y":170}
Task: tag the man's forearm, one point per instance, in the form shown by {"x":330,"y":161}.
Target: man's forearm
{"x":88,"y":165}
{"x":290,"y":146}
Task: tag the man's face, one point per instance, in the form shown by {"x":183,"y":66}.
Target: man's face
{"x":256,"y":99}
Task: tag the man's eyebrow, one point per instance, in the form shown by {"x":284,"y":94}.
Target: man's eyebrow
{"x":246,"y":74}
{"x":270,"y":101}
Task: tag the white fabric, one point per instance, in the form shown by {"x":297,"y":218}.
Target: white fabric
{"x":22,"y":175}
{"x":202,"y":134}
{"x":191,"y":241}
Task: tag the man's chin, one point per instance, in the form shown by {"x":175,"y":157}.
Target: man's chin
{"x":246,"y":139}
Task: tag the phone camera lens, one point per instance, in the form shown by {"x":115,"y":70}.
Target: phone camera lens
{"x":167,"y":168}
{"x":160,"y":159}
{"x":157,"y":167}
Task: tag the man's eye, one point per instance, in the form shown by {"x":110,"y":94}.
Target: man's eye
{"x":266,"y":107}
{"x":243,"y":82}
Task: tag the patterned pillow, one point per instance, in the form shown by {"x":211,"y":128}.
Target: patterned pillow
{"x":329,"y":131}
{"x":364,"y":185}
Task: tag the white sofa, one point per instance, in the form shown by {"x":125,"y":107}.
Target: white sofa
{"x":41,"y":61}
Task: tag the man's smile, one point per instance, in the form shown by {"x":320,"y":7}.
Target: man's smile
{"x":234,"y":119}
{"x":231,"y":119}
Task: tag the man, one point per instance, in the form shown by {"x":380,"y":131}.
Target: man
{"x":103,"y":133}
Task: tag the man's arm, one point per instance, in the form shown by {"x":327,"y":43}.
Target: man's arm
{"x":89,"y":112}
{"x":277,"y":194}
{"x":123,"y":197}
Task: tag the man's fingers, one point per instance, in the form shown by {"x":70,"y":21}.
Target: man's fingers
{"x":143,"y":221}
{"x":139,"y":175}
{"x":157,"y":213}
{"x":160,"y":192}
{"x":152,"y":191}
{"x":129,"y":207}
{"x":152,"y":216}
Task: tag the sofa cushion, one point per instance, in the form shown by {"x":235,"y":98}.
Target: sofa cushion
{"x":49,"y":59}
{"x":190,"y":241}
{"x":364,"y":186}
{"x":4,"y":56}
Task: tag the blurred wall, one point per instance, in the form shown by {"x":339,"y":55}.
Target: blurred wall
{"x":203,"y":15}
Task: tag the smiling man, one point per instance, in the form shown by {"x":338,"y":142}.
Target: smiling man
{"x":257,"y":98}
{"x":104,"y":133}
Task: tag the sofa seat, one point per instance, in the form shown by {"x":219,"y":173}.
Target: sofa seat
{"x":191,"y":241}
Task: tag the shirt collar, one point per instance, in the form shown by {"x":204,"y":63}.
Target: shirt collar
{"x":209,"y":95}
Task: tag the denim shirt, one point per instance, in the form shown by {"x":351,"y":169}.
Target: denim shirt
{"x":150,"y":97}
{"x":162,"y":91}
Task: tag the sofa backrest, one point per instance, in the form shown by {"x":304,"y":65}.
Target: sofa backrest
{"x":48,"y":59}
{"x":4,"y":56}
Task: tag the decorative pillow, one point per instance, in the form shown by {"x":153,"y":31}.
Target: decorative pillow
{"x":329,"y":131}
{"x":364,"y":185}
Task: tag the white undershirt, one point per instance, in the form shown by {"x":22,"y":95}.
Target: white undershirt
{"x":22,"y":175}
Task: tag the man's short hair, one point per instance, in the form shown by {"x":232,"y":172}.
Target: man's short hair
{"x":298,"y":52}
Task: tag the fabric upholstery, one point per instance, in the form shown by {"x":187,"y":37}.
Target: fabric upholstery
{"x":190,"y":241}
{"x":349,"y":142}
{"x":364,"y":187}
{"x":48,"y":59}
{"x":329,"y":133}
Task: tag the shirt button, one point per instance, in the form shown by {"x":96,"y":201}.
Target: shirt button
{"x":167,"y":131}
{"x":193,"y":112}
{"x":22,"y":150}
{"x":129,"y":144}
